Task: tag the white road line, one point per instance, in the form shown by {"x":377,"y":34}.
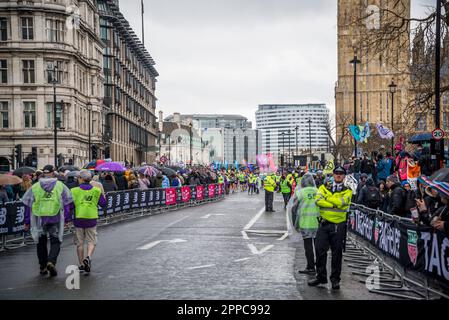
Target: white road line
{"x":245,"y":236}
{"x":283,"y":237}
{"x":155,"y":243}
{"x":243,"y":259}
{"x":201,"y":267}
{"x":254,"y":250}
{"x":207,"y":216}
{"x":175,"y":222}
{"x":267,"y":231}
{"x":253,"y":220}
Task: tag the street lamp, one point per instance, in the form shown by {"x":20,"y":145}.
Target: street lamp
{"x":191,"y":138}
{"x":89,"y":107}
{"x":169,"y":148}
{"x":289,"y":147}
{"x":355,"y":61}
{"x":283,"y":147}
{"x":54,"y":81}
{"x":310,"y":138}
{"x":439,"y":145}
{"x":296,"y":139}
{"x":393,"y":88}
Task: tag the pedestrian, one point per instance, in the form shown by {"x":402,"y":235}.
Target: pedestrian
{"x":143,"y":182}
{"x":47,"y":209}
{"x":286,"y":189}
{"x":165,"y":182}
{"x":269,"y":186}
{"x":307,"y":213}
{"x":176,"y":182}
{"x":24,"y":186}
{"x":367,"y":165}
{"x":395,"y":196}
{"x":86,"y":199}
{"x":108,"y":183}
{"x":133,"y":183}
{"x":71,"y":182}
{"x":360,"y":185}
{"x":334,"y":203}
{"x":120,"y":179}
{"x":384,"y":196}
{"x":370,"y":195}
{"x":383,"y":167}
{"x":440,"y":219}
{"x":3,"y":195}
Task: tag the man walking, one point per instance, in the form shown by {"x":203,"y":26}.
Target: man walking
{"x":86,"y":199}
{"x":334,"y":202}
{"x":47,"y":209}
{"x":269,"y":186}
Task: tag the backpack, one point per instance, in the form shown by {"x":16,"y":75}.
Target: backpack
{"x":372,"y":197}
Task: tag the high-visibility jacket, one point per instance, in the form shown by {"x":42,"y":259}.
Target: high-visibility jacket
{"x":86,"y":202}
{"x":47,"y":204}
{"x":220,"y":179}
{"x":333,"y":206}
{"x":269,"y":184}
{"x":308,"y":210}
{"x":285,"y":186}
{"x":277,"y":179}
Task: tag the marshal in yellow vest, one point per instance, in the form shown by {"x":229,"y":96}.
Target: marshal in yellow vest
{"x":86,"y":202}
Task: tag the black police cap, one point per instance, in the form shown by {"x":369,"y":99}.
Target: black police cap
{"x":340,"y":169}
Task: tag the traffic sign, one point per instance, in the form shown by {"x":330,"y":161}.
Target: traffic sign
{"x":438,"y":134}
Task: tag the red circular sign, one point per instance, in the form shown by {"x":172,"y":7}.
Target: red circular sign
{"x":438,"y":134}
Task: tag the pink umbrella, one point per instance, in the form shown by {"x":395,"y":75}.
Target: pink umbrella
{"x":110,"y":166}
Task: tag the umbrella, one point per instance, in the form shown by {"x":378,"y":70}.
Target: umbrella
{"x":151,"y":171}
{"x":94,"y":163}
{"x":142,"y":169}
{"x":441,"y":175}
{"x":110,"y":166}
{"x":167,"y":171}
{"x":441,"y":187}
{"x":420,"y":138}
{"x":73,"y":174}
{"x":6,"y":180}
{"x":24,"y":170}
{"x":69,"y":168}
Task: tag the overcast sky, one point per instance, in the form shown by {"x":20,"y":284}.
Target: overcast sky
{"x":229,"y":56}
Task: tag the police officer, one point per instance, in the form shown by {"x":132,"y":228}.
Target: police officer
{"x":334,"y":201}
{"x":269,"y":186}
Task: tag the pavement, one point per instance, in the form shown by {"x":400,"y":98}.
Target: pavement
{"x":193,"y":253}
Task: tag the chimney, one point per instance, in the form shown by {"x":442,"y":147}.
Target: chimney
{"x":176,"y":117}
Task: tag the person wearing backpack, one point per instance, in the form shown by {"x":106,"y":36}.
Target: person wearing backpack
{"x":395,"y":196}
{"x":370,"y":195}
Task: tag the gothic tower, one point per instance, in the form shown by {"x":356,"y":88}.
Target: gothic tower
{"x":361,"y":23}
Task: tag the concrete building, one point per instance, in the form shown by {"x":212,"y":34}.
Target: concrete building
{"x":209,"y":121}
{"x":285,"y":128}
{"x":129,"y":89}
{"x":376,"y":70}
{"x":36,"y":36}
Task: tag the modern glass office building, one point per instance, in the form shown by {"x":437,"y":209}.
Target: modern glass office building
{"x":285,"y":128}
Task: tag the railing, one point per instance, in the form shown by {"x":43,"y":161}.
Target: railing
{"x":415,"y":254}
{"x":121,"y":205}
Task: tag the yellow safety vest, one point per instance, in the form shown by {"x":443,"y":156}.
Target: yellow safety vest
{"x":333,"y":206}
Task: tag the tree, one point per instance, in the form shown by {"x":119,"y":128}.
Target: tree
{"x":339,"y":136}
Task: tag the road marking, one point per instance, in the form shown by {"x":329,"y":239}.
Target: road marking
{"x":201,"y":267}
{"x":243,"y":259}
{"x":175,"y":222}
{"x":283,"y":237}
{"x":267,"y":231}
{"x":207,"y":216}
{"x":155,"y":243}
{"x":245,"y":236}
{"x":254,"y":219}
{"x":254,"y":250}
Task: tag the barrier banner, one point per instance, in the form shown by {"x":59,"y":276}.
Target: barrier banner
{"x":415,"y":247}
{"x":110,"y":200}
{"x":126,"y":200}
{"x":170,"y":196}
{"x":192,"y":192}
{"x":144,"y":198}
{"x":118,"y":200}
{"x":12,"y":215}
{"x":211,"y":192}
{"x":185,"y":194}
{"x":159,"y":197}
{"x":199,"y":192}
{"x":135,"y":198}
{"x":220,"y":189}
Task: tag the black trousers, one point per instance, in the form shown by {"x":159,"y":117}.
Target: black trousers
{"x":329,"y":235}
{"x":286,"y":198}
{"x":310,"y":254}
{"x":55,"y":246}
{"x":268,"y":201}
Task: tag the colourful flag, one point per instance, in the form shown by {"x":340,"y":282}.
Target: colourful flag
{"x":384,"y":132}
{"x":355,"y":131}
{"x":365,"y":133}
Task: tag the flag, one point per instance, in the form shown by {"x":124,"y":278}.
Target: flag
{"x":384,"y":132}
{"x":236,"y":164}
{"x":365,"y":133}
{"x":329,"y":169}
{"x":226,"y":164}
{"x":355,"y":131}
{"x":413,"y":173}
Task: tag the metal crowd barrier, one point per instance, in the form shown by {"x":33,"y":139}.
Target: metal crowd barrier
{"x":19,"y":240}
{"x":393,"y":278}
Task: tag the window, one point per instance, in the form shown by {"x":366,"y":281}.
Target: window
{"x":3,"y":71}
{"x":3,"y":29}
{"x":421,"y":122}
{"x":61,"y":73}
{"x":27,"y":29}
{"x":55,"y":30}
{"x":28,"y":71}
{"x":59,"y":115}
{"x":4,"y":114}
{"x":29,"y":114}
{"x":445,"y":120}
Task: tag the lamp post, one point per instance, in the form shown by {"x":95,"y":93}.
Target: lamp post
{"x":89,"y":107}
{"x":54,"y":81}
{"x":191,"y":143}
{"x":169,"y":149}
{"x":310,"y":136}
{"x":283,"y":147}
{"x":439,"y":145}
{"x":355,"y":61}
{"x":393,"y":88}
{"x":296,"y":139}
{"x":289,"y":147}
